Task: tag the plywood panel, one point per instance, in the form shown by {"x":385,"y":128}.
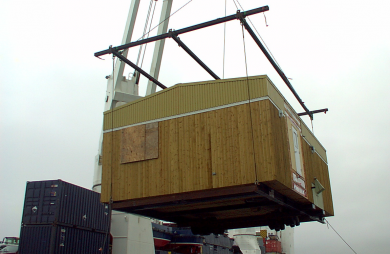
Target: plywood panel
{"x":133,"y":144}
{"x":151,"y":141}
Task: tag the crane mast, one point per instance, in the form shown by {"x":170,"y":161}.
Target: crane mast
{"x":121,"y":90}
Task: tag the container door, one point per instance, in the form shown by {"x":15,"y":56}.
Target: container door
{"x":297,"y":151}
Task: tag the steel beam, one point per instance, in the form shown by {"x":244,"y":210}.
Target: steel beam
{"x":277,"y":198}
{"x":186,"y":30}
{"x":278,"y":70}
{"x":124,"y":59}
{"x":314,"y":112}
{"x":186,"y":49}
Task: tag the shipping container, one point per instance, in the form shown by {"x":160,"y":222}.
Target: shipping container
{"x":273,"y":246}
{"x":226,"y":154}
{"x":59,"y":202}
{"x":55,"y":239}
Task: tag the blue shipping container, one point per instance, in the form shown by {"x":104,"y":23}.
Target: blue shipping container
{"x":55,"y":239}
{"x":59,"y":202}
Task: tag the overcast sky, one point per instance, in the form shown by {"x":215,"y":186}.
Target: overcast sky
{"x":337,"y":54}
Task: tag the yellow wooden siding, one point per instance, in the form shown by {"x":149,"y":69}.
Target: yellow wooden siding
{"x":224,"y":147}
{"x":204,"y":151}
{"x":185,"y":98}
{"x":275,"y":95}
{"x":308,"y":135}
{"x":271,"y":145}
{"x":315,"y":167}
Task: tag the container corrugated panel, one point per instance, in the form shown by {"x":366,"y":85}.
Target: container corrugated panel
{"x":273,"y":246}
{"x":55,"y":239}
{"x":185,"y":98}
{"x":57,"y":201}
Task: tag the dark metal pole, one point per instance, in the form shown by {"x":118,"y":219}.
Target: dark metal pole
{"x":186,"y":30}
{"x":124,"y":59}
{"x":186,"y":49}
{"x":314,"y":112}
{"x":278,"y":70}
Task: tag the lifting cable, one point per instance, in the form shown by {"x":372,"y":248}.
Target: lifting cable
{"x":265,"y":44}
{"x":224,"y":42}
{"x":112,"y":126}
{"x":164,"y":20}
{"x":145,"y":26}
{"x":112,"y":154}
{"x":327,"y":222}
{"x":151,"y":21}
{"x":235,"y":4}
{"x":250,"y":106}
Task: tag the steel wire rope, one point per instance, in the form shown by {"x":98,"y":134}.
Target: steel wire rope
{"x":259,"y":34}
{"x":235,"y":4}
{"x":112,"y":153}
{"x":165,"y":19}
{"x":224,"y":42}
{"x":151,"y":21}
{"x":327,"y":222}
{"x":146,"y":25}
{"x":250,"y":106}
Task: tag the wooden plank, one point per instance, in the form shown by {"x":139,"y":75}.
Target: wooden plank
{"x":282,"y":155}
{"x":263,"y":141}
{"x":208,"y":150}
{"x":183,"y":153}
{"x":117,"y":182}
{"x":173,"y":142}
{"x":235,"y":172}
{"x":317,"y":168}
{"x":106,"y":168}
{"x":165,"y":159}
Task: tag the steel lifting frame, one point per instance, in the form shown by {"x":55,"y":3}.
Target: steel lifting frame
{"x":174,"y":35}
{"x":282,"y":210}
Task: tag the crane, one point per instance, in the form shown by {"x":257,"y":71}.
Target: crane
{"x":121,"y":90}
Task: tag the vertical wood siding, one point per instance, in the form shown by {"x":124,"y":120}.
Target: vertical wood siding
{"x":316,"y":167}
{"x":203,"y":151}
{"x":230,"y":146}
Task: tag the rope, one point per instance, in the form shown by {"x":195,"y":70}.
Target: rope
{"x":235,"y":4}
{"x":224,"y":42}
{"x":250,"y":107}
{"x":151,"y":21}
{"x":327,"y":222}
{"x":260,"y":35}
{"x":146,"y":25}
{"x":112,"y":154}
{"x":112,"y":123}
{"x":164,"y":20}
